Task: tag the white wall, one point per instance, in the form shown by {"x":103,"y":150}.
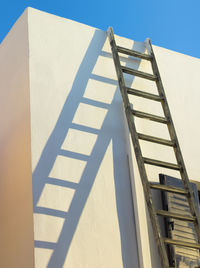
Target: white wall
{"x":83,"y":213}
{"x":16,"y":209}
{"x":180,"y":76}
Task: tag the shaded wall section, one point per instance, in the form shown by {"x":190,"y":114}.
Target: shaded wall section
{"x":16,"y":213}
{"x":83,"y":212}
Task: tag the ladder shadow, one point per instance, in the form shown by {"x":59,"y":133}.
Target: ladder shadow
{"x":105,"y":136}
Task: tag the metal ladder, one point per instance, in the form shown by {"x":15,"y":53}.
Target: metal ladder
{"x":141,"y":161}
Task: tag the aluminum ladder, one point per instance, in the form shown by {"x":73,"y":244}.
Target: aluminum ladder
{"x":142,"y":161}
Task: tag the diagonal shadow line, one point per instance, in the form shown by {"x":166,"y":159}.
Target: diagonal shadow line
{"x":54,"y":143}
{"x":81,"y":196}
{"x":52,"y":149}
{"x":105,"y":135}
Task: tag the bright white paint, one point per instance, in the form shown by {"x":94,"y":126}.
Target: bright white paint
{"x":82,"y":195}
{"x":180,"y":75}
{"x":16,"y":209}
{"x":83,"y":212}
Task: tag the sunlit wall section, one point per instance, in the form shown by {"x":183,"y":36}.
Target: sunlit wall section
{"x":83,"y":212}
{"x":61,"y":112}
{"x":180,"y":76}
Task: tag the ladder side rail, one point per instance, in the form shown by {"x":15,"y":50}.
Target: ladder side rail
{"x":174,"y":138}
{"x":139,"y":158}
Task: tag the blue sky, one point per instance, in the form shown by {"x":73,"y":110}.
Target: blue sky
{"x":173,"y":24}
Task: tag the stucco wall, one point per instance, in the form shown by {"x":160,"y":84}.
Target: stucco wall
{"x":82,"y":159}
{"x":16,"y":209}
{"x":83,"y":213}
{"x":180,"y":76}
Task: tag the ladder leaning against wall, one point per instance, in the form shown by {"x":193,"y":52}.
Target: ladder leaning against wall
{"x":173,"y":142}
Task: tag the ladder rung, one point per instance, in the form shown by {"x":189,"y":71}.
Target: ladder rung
{"x":155,"y":139}
{"x":134,"y":53}
{"x":166,"y":188}
{"x":143,"y":94}
{"x":169,"y":214}
{"x":181,"y":243}
{"x":160,"y":163}
{"x":139,"y":73}
{"x":150,"y":116}
{"x":142,"y":161}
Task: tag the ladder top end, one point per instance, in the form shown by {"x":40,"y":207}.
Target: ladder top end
{"x":110,"y":28}
{"x":147,"y":39}
{"x":110,"y":31}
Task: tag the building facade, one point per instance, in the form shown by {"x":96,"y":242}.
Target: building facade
{"x":71,"y":194}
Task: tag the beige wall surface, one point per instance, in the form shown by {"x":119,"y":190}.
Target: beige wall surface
{"x":83,"y":213}
{"x":16,"y":209}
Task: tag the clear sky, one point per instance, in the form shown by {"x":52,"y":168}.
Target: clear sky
{"x":173,"y":24}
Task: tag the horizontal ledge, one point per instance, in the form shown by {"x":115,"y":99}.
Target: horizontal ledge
{"x":155,"y":139}
{"x":148,"y":76}
{"x":134,"y":53}
{"x":160,"y":163}
{"x":143,"y":94}
{"x":166,"y":188}
{"x":151,"y":117}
